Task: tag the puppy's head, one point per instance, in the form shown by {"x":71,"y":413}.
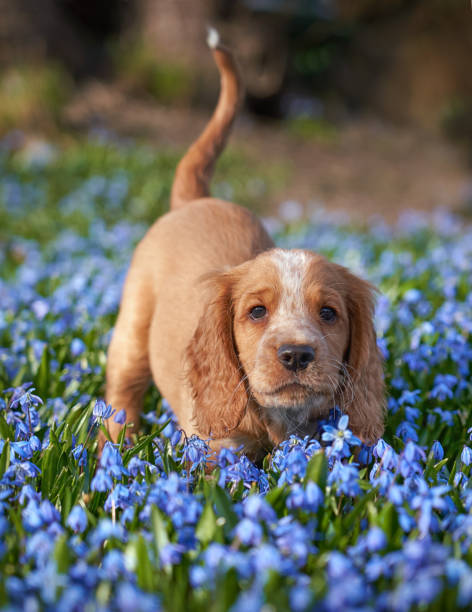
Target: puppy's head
{"x":294,"y":333}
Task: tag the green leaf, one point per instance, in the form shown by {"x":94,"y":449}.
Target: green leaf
{"x":144,"y":569}
{"x":6,"y":431}
{"x":137,"y":448}
{"x":121,"y":437}
{"x":388,"y":520}
{"x":49,"y":468}
{"x":227,"y":590}
{"x":317,"y":469}
{"x":159,"y":530}
{"x":453,"y":472}
{"x":15,"y":518}
{"x":358,"y":509}
{"x":66,"y":437}
{"x":106,"y":433}
{"x":178,"y":598}
{"x":62,"y":554}
{"x":43,"y":375}
{"x":5,"y":458}
{"x":103,"y":594}
{"x":206,"y":527}
{"x":276,"y":498}
{"x":372,"y":513}
{"x":16,"y":382}
{"x":224,"y":506}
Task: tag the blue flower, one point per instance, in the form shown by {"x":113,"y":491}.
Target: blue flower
{"x":345,"y":478}
{"x":101,"y":481}
{"x":114,"y":564}
{"x":248,"y":532}
{"x":375,"y":539}
{"x":293,"y":540}
{"x":409,"y":398}
{"x":380,"y":448}
{"x":176,"y":437}
{"x":309,"y":498}
{"x":407,"y":431}
{"x":198,"y":576}
{"x":120,"y":417}
{"x":77,"y":519}
{"x":129,"y":598}
{"x":426,"y":500}
{"x":171,"y":554}
{"x":251,"y":600}
{"x":300,"y":597}
{"x":446,"y":416}
{"x":437,"y":450}
{"x":293,"y":466}
{"x":111,"y":461}
{"x":48,"y":512}
{"x":341,"y":437}
{"x":266,"y":557}
{"x":120,"y":497}
{"x":23,"y":396}
{"x":338,"y":565}
{"x":466,"y":455}
{"x":77,"y":347}
{"x":101,"y":412}
{"x":226,"y":457}
{"x":441,"y":392}
{"x":105,"y":530}
{"x":256,"y":508}
{"x":195,"y":452}
{"x":80,"y":454}
{"x":40,"y":308}
{"x":31,"y":516}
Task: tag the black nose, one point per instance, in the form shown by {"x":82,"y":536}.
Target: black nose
{"x":295,"y":356}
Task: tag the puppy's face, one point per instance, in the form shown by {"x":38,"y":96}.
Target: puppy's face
{"x":294,"y":333}
{"x":291,"y":330}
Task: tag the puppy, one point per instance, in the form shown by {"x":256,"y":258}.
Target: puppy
{"x":249,"y":343}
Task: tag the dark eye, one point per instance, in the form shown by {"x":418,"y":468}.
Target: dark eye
{"x":328,"y":314}
{"x":258,"y":312}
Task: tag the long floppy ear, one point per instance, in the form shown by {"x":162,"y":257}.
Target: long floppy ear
{"x":364,"y":401}
{"x":214,"y":372}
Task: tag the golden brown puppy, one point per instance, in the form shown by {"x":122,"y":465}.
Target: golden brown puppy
{"x":248,"y":343}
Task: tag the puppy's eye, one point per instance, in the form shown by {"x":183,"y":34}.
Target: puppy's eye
{"x":328,"y":314}
{"x":258,"y":312}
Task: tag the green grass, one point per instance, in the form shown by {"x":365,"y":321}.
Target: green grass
{"x":88,"y":178}
{"x":316,"y":130}
{"x":32,"y":96}
{"x":167,"y":81}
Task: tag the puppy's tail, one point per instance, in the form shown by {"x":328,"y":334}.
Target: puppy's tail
{"x":195,"y":169}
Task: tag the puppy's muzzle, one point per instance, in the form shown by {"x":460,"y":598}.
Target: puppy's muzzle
{"x":295,"y":357}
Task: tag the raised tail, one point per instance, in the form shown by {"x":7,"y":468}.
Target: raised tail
{"x":195,"y":169}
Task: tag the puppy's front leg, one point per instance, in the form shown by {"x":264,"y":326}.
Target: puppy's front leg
{"x":128,"y":371}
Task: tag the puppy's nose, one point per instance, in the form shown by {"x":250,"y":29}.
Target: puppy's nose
{"x":295,"y":356}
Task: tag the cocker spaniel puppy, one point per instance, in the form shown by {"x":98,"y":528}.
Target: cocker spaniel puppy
{"x":249,"y":343}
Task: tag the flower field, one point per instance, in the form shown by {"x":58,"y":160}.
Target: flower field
{"x":322,"y":524}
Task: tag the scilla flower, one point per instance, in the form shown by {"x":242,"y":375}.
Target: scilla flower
{"x":341,"y":437}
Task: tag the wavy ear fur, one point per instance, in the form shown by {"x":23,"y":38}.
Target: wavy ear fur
{"x":214,"y":372}
{"x":365,"y":401}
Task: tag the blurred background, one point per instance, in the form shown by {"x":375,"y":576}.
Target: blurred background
{"x":358,"y":105}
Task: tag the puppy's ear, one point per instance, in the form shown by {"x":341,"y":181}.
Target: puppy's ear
{"x":363,"y":397}
{"x":214,"y":371}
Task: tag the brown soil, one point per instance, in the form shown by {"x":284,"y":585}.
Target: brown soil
{"x":370,"y":167}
